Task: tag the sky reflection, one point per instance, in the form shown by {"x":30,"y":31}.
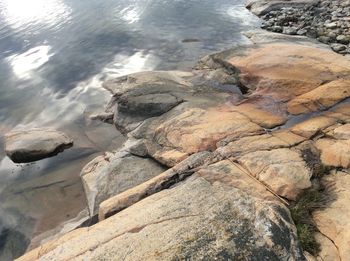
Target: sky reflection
{"x":19,"y":12}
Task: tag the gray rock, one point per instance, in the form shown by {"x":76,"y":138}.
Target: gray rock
{"x":343,"y":39}
{"x":104,"y":117}
{"x":113,"y":173}
{"x":290,"y":30}
{"x":277,"y":29}
{"x":331,"y":25}
{"x":24,"y":146}
{"x":338,"y":47}
{"x":301,"y":32}
{"x":324,"y":39}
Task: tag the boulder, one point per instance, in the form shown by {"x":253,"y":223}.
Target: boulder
{"x":24,"y":146}
{"x":218,"y":214}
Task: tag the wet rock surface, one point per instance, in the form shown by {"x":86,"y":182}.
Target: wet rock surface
{"x":35,"y":144}
{"x":216,"y":155}
{"x":327,"y":21}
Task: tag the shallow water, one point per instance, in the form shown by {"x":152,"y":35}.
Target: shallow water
{"x":54,"y":54}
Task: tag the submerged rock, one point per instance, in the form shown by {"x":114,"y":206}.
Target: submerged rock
{"x":24,"y":146}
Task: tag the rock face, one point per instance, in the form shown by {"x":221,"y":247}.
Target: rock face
{"x":218,"y":214}
{"x":244,"y":133}
{"x":35,"y":144}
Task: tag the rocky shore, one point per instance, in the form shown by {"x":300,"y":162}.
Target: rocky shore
{"x":325,"y":20}
{"x":246,"y":157}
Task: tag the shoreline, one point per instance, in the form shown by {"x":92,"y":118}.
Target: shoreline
{"x":181,"y":103}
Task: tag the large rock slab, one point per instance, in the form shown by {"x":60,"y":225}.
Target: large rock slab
{"x":114,"y":172}
{"x":218,"y":214}
{"x":24,"y":146}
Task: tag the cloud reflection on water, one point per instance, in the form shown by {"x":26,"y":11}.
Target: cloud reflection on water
{"x":23,"y":64}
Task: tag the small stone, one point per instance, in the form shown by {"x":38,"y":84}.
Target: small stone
{"x":331,"y":25}
{"x":343,"y":39}
{"x":324,"y":39}
{"x":277,"y":29}
{"x":290,"y":30}
{"x":302,"y":32}
{"x":338,"y":47}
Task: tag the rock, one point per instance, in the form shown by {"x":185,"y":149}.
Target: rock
{"x":332,"y":221}
{"x":277,"y":29}
{"x":218,"y":214}
{"x":335,"y":153}
{"x":163,"y":181}
{"x":104,"y":117}
{"x":143,"y":106}
{"x":290,"y":30}
{"x":260,"y":7}
{"x":342,"y":132}
{"x":338,"y":47}
{"x":326,"y":22}
{"x":320,"y":98}
{"x":124,"y":84}
{"x":313,"y":126}
{"x":260,"y":116}
{"x":328,"y":249}
{"x":343,"y":39}
{"x":197,"y":129}
{"x":24,"y":146}
{"x":282,"y":170}
{"x":244,"y":145}
{"x":331,"y":25}
{"x":282,"y":71}
{"x":309,"y":257}
{"x":113,"y":173}
{"x":301,"y":32}
{"x":324,"y":39}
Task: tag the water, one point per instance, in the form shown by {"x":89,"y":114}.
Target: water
{"x":54,"y":54}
